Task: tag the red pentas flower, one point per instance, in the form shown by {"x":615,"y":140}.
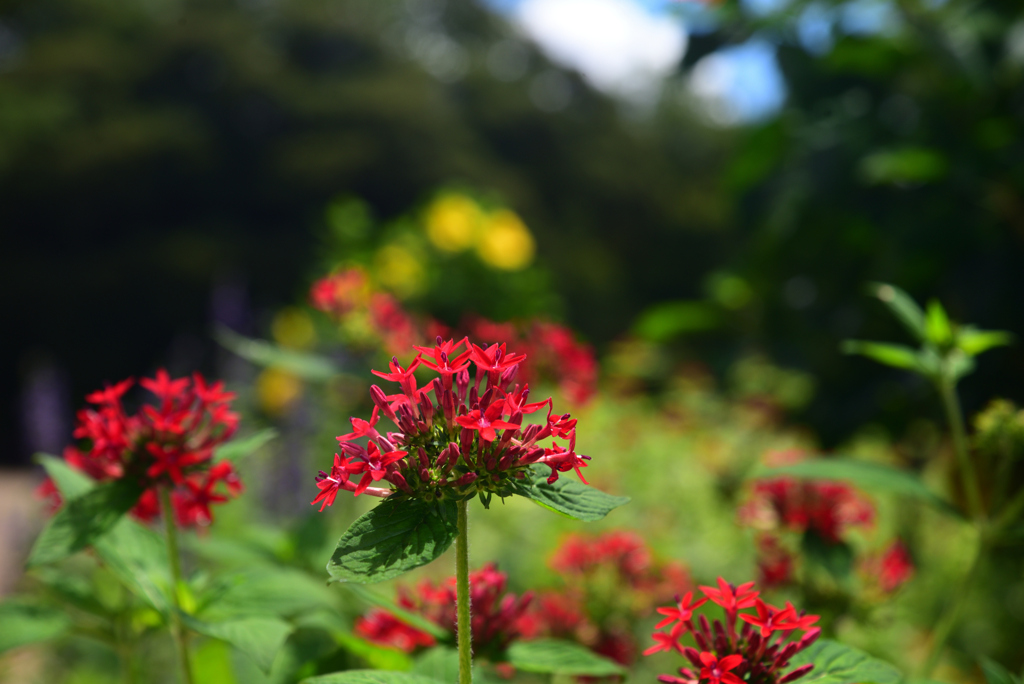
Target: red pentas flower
{"x":459,"y":435}
{"x":759,"y":652}
{"x":823,"y":507}
{"x":169,"y":444}
{"x":890,"y":570}
{"x":496,"y":620}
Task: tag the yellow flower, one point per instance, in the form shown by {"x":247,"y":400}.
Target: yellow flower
{"x":293,"y":328}
{"x":399,"y":270}
{"x":453,"y":222}
{"x":276,"y":390}
{"x":506,"y":243}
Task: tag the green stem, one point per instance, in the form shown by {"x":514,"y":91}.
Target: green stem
{"x":951,"y":404}
{"x":952,"y":615}
{"x":465,"y":632}
{"x":177,"y":628}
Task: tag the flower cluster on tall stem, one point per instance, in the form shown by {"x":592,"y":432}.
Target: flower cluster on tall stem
{"x":751,"y":648}
{"x":167,"y":445}
{"x":457,"y":436}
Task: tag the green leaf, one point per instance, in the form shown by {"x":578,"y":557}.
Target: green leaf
{"x":393,"y":538}
{"x":22,"y":624}
{"x":259,"y":638}
{"x":973,"y":342}
{"x":903,"y":165}
{"x":408,"y":617}
{"x":370,"y":677}
{"x":71,"y":483}
{"x":902,"y":306}
{"x":304,"y":365}
{"x":872,"y":477}
{"x":937,"y":326}
{"x":265,"y":592}
{"x":836,"y":557}
{"x":835,"y":663}
{"x":441,"y":663}
{"x":240,"y":448}
{"x":83,"y":519}
{"x":569,"y":497}
{"x":138,"y":557}
{"x":667,"y":320}
{"x":561,"y":657}
{"x":996,"y":673}
{"x":895,"y":355}
{"x":377,"y":657}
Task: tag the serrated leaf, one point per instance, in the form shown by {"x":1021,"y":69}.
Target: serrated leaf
{"x":406,"y":616}
{"x":84,"y":519}
{"x":370,"y":677}
{"x":902,"y":306}
{"x":973,"y":342}
{"x":240,"y":448}
{"x":895,"y":355}
{"x":872,"y":477}
{"x":937,"y":326}
{"x":302,"y":364}
{"x":996,"y":673}
{"x":561,"y":657}
{"x":259,"y":638}
{"x":393,"y":538}
{"x":835,"y":663}
{"x":70,"y":482}
{"x":22,"y":624}
{"x":569,"y":497}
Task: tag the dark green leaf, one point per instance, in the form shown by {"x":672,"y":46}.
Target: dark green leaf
{"x":71,"y":483}
{"x":304,"y":365}
{"x":895,"y":355}
{"x":561,"y":657}
{"x":996,"y":673}
{"x":408,"y":617}
{"x":904,"y":165}
{"x":370,"y":677}
{"x":569,"y":497}
{"x":240,"y":448}
{"x":902,"y":306}
{"x":394,"y":537}
{"x":22,"y":624}
{"x":259,"y":638}
{"x":836,"y":557}
{"x":83,"y":519}
{"x":835,"y":663}
{"x":872,"y":477}
{"x":973,"y":342}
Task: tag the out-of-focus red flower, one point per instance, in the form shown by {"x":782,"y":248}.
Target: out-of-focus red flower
{"x":892,"y":569}
{"x":340,"y":293}
{"x":826,"y":508}
{"x":774,"y":562}
{"x":169,"y":444}
{"x":383,"y":628}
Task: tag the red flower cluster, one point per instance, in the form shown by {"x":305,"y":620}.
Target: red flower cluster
{"x":495,"y":621}
{"x":612,"y":581}
{"x":552,"y":350}
{"x":890,"y":570}
{"x":169,"y":444}
{"x":757,"y":653}
{"x":469,"y":439}
{"x":826,"y":508}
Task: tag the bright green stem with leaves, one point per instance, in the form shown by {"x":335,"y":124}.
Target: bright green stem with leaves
{"x":177,"y":628}
{"x":947,"y":389}
{"x":464,"y":625}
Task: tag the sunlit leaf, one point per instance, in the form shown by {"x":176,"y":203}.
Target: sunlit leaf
{"x":370,"y":677}
{"x":259,"y":638}
{"x":895,"y":355}
{"x":240,"y":448}
{"x":973,"y":342}
{"x":377,"y":657}
{"x":662,"y":322}
{"x":394,"y":537}
{"x":835,"y":663}
{"x":568,"y":496}
{"x":902,"y":306}
{"x":561,"y":657}
{"x":937,"y":326}
{"x":302,"y":364}
{"x":70,"y":482}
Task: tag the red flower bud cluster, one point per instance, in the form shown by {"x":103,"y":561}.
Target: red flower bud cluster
{"x":826,"y":508}
{"x":758,"y":653}
{"x":611,"y":582}
{"x":348,"y":295}
{"x":891,"y":569}
{"x":495,"y":619}
{"x":470,"y":438}
{"x":169,"y":444}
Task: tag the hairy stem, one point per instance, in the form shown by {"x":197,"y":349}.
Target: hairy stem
{"x":465,"y":633}
{"x":951,"y":404}
{"x":177,"y":628}
{"x":951,"y":616}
